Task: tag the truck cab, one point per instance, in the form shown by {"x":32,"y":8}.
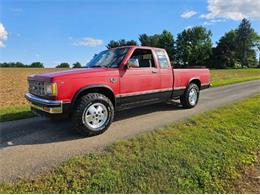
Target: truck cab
{"x":115,"y":79}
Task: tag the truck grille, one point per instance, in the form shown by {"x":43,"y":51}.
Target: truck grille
{"x":36,"y":87}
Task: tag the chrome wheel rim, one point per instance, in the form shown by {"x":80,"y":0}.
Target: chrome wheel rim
{"x":193,"y":96}
{"x":95,"y":116}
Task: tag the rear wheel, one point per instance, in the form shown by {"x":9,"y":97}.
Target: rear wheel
{"x":191,"y":96}
{"x":93,"y":114}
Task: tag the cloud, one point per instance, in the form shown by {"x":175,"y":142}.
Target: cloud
{"x":17,"y":11}
{"x":188,"y":14}
{"x":207,"y":23}
{"x":213,"y":21}
{"x":233,"y":9}
{"x":88,"y":41}
{"x":188,"y":27}
{"x":3,"y":35}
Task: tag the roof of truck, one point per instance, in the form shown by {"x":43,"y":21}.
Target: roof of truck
{"x":136,"y":46}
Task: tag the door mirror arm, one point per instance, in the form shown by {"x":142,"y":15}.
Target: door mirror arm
{"x":127,"y":65}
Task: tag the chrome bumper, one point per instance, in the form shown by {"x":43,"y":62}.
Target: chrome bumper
{"x":49,"y":106}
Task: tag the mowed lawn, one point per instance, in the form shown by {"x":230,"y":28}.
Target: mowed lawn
{"x":231,"y":76}
{"x":214,"y":152}
{"x":13,"y":86}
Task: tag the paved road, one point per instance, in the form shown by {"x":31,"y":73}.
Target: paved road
{"x":32,"y":146}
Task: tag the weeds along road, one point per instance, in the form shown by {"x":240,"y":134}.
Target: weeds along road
{"x":33,"y":146}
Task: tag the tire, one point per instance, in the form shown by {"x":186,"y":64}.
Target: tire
{"x":190,"y":97}
{"x":93,"y":114}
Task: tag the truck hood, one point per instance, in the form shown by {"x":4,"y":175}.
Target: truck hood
{"x":72,"y":73}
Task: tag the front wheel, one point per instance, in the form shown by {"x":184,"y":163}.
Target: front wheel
{"x":93,"y":114}
{"x":191,"y":96}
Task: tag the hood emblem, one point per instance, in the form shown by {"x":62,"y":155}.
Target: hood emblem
{"x":113,"y":80}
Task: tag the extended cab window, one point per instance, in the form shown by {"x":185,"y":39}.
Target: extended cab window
{"x":142,"y":58}
{"x":162,"y":58}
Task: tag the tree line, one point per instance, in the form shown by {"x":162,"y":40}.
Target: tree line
{"x":237,"y":48}
{"x":67,"y":65}
{"x":37,"y":65}
{"x":21,"y":65}
{"x":193,"y":47}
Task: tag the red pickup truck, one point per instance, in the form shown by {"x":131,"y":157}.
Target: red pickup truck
{"x":115,"y":79}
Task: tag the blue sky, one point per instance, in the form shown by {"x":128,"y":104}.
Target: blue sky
{"x":68,"y":31}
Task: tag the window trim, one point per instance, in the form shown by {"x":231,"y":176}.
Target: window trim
{"x":158,"y":59}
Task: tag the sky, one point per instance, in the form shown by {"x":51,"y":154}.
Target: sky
{"x":69,"y":31}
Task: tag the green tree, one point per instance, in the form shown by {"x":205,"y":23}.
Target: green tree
{"x":251,"y":58}
{"x":13,"y":65}
{"x":145,"y":40}
{"x":237,"y":48}
{"x":131,"y":42}
{"x":246,"y":40}
{"x":63,"y":65}
{"x":224,"y":55}
{"x":76,"y":65}
{"x":37,"y":65}
{"x":119,"y":43}
{"x":166,"y":41}
{"x":193,"y":47}
{"x":112,"y":44}
{"x":149,"y":40}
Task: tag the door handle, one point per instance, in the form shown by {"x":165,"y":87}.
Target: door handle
{"x":154,"y":71}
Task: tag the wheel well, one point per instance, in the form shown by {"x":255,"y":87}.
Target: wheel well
{"x":196,"y":81}
{"x":102,"y":90}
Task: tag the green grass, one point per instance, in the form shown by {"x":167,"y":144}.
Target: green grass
{"x":15,"y":112}
{"x":202,"y":155}
{"x":231,"y":76}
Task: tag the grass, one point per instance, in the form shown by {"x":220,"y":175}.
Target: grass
{"x":15,"y":112}
{"x":202,"y":155}
{"x":231,"y":76}
{"x":12,"y":96}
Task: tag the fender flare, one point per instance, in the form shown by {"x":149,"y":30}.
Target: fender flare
{"x":194,"y":79}
{"x":81,"y":90}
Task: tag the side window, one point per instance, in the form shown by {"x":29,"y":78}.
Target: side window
{"x":162,"y":58}
{"x":142,"y":58}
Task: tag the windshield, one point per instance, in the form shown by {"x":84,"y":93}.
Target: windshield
{"x":108,"y":58}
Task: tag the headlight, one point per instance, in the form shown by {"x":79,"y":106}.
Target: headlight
{"x":50,"y":89}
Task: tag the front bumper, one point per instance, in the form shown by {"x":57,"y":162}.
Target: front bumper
{"x":48,"y":106}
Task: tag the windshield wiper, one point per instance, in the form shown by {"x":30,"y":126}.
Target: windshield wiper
{"x":101,"y":66}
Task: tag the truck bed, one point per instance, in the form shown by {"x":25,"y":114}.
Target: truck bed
{"x":183,"y":76}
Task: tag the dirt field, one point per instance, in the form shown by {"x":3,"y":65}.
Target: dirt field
{"x":13,"y":83}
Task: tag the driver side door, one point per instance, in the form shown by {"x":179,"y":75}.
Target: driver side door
{"x":140,"y":83}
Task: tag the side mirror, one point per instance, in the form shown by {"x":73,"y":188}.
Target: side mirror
{"x":132,"y":63}
{"x":128,"y":65}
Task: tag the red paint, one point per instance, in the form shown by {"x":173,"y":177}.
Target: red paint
{"x":133,"y":80}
